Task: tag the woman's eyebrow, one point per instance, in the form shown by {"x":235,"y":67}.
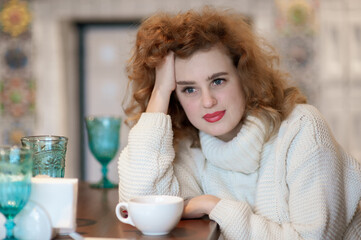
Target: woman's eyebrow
{"x":185,"y":82}
{"x":215,"y":75}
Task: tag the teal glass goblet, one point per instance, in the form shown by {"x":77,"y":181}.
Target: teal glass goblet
{"x":103,"y":140}
{"x":49,"y":154}
{"x":15,"y":183}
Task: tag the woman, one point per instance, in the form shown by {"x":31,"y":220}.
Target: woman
{"x":217,"y":124}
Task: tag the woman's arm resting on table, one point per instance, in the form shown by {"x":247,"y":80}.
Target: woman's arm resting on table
{"x":148,"y":164}
{"x":145,"y":165}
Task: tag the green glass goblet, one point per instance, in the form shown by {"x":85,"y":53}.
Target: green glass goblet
{"x":15,"y":183}
{"x":103,"y":139}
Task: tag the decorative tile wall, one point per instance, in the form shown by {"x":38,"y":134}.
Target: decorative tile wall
{"x":17,"y":86}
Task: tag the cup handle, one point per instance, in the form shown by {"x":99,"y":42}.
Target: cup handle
{"x":126,"y":220}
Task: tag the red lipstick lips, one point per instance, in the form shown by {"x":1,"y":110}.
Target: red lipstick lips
{"x":214,"y":117}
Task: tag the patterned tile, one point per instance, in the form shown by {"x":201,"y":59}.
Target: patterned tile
{"x":15,"y":17}
{"x":17,"y":88}
{"x":17,"y":97}
{"x":15,"y":58}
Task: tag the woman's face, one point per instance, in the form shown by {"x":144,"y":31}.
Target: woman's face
{"x":209,"y":90}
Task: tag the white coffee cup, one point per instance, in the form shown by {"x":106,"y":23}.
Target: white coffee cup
{"x":153,"y":214}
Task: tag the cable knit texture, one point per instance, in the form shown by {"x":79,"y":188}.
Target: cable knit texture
{"x":298,"y":185}
{"x":248,"y":144}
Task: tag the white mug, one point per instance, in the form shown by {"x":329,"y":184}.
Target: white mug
{"x":152,"y":215}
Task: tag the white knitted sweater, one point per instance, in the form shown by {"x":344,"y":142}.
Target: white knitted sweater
{"x":298,"y":185}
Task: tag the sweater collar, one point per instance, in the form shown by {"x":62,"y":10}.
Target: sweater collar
{"x":242,"y":153}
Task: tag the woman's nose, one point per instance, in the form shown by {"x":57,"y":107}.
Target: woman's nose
{"x":208,"y":99}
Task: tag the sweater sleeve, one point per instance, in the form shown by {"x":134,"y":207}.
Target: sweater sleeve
{"x":237,"y":221}
{"x":145,"y":164}
{"x":319,"y":197}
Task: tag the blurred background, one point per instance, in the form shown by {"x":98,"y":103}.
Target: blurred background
{"x":62,"y":60}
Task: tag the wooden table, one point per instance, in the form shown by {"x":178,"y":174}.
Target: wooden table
{"x":96,"y":218}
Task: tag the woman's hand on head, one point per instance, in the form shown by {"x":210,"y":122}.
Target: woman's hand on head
{"x":165,"y":75}
{"x":199,"y":206}
{"x":164,"y":85}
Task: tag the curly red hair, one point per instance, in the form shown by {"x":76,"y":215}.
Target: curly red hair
{"x":266,"y":91}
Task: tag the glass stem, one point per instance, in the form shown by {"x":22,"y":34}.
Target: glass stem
{"x":9,"y":225}
{"x":104,"y":171}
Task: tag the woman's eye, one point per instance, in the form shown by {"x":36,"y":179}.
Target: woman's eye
{"x":188,"y":90}
{"x":218,"y":81}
